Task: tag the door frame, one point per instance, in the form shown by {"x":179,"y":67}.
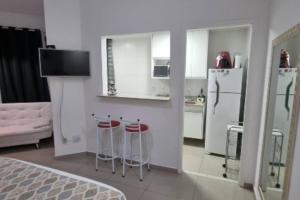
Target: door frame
{"x":241,"y":180}
{"x":294,"y":121}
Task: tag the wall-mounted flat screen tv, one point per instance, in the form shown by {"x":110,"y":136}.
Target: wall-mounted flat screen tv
{"x":54,"y":62}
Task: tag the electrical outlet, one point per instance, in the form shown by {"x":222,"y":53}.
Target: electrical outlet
{"x":76,"y":138}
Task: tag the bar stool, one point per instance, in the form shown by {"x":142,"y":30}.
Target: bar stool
{"x":104,"y":125}
{"x":134,"y":129}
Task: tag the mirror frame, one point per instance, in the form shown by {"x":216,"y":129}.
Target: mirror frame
{"x":293,"y":32}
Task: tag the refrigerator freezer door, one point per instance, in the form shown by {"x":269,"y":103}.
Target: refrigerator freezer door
{"x":219,"y":116}
{"x":228,"y":80}
{"x":286,"y":81}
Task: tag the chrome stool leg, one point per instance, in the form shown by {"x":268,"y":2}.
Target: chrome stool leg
{"x":141,"y":157}
{"x":131,"y":160}
{"x":112,"y":151}
{"x":226,"y":154}
{"x":97,"y":149}
{"x":148,"y":153}
{"x":273,"y":156}
{"x":124,"y":154}
{"x":279,"y":165}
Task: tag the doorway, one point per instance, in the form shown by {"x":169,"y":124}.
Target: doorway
{"x":215,"y":83}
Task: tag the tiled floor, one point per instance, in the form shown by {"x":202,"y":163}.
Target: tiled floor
{"x":195,"y":159}
{"x":273,"y":194}
{"x":273,"y":179}
{"x":158,"y":184}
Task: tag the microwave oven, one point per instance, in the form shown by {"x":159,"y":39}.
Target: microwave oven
{"x":161,"y":67}
{"x":161,"y":71}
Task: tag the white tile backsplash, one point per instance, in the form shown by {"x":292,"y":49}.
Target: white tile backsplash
{"x":159,"y":87}
{"x":192,"y":87}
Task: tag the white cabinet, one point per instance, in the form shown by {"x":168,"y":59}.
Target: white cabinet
{"x":161,"y":45}
{"x":196,"y":54}
{"x":193,"y":125}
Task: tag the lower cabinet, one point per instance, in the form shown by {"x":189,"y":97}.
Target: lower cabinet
{"x":193,"y":125}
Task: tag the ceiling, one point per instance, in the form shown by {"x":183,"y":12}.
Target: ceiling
{"x":32,"y":7}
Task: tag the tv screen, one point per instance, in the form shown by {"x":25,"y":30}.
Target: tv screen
{"x":55,"y":62}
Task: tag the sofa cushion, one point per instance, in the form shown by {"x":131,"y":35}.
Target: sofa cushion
{"x":21,"y":129}
{"x":19,"y":118}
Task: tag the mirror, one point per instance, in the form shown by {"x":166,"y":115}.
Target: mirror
{"x":136,"y":65}
{"x":283,"y":81}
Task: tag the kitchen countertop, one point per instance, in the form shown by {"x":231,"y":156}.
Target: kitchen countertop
{"x":142,"y":97}
{"x":195,"y":104}
{"x":194,"y":107}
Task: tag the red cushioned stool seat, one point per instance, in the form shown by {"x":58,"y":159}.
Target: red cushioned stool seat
{"x":114,"y":123}
{"x":134,"y":128}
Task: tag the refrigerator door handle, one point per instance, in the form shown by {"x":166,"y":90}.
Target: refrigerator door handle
{"x":217,"y":95}
{"x":287,"y":97}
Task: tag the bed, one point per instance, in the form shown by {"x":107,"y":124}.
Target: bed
{"x":23,"y":180}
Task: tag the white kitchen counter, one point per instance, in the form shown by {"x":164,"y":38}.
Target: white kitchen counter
{"x":142,"y":97}
{"x":194,"y":107}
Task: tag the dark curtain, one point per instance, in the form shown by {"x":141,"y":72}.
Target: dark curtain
{"x":20,"y":79}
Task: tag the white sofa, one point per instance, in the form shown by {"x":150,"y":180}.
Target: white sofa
{"x":24,"y":123}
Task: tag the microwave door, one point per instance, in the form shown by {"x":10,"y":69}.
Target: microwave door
{"x":161,"y":71}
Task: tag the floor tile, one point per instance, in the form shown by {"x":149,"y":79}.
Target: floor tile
{"x":158,"y":184}
{"x":177,"y":186}
{"x":211,"y":189}
{"x":131,"y":192}
{"x":272,"y":180}
{"x":192,"y":162}
{"x":195,"y":159}
{"x":148,"y":195}
{"x":272,"y":194}
{"x":132,"y":177}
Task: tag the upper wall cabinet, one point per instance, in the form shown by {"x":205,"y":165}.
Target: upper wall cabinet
{"x":161,"y":45}
{"x":196,"y":54}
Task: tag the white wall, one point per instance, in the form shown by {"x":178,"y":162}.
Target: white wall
{"x":22,"y":20}
{"x":193,"y":87}
{"x":234,"y":40}
{"x":132,"y":61}
{"x":63,"y":29}
{"x":284,"y":15}
{"x":100,"y":17}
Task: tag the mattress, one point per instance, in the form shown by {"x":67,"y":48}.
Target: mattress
{"x":22,"y":180}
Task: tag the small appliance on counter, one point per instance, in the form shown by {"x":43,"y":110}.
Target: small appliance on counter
{"x":201,"y":98}
{"x":111,"y":90}
{"x":284,"y":59}
{"x":190,"y":100}
{"x":161,"y":68}
{"x":237,"y":63}
{"x":223,"y":60}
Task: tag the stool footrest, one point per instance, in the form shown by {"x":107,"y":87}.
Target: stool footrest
{"x":102,"y":157}
{"x":136,"y":165}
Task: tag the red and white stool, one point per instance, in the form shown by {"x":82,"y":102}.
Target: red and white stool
{"x":136,"y":130}
{"x":105,"y":126}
